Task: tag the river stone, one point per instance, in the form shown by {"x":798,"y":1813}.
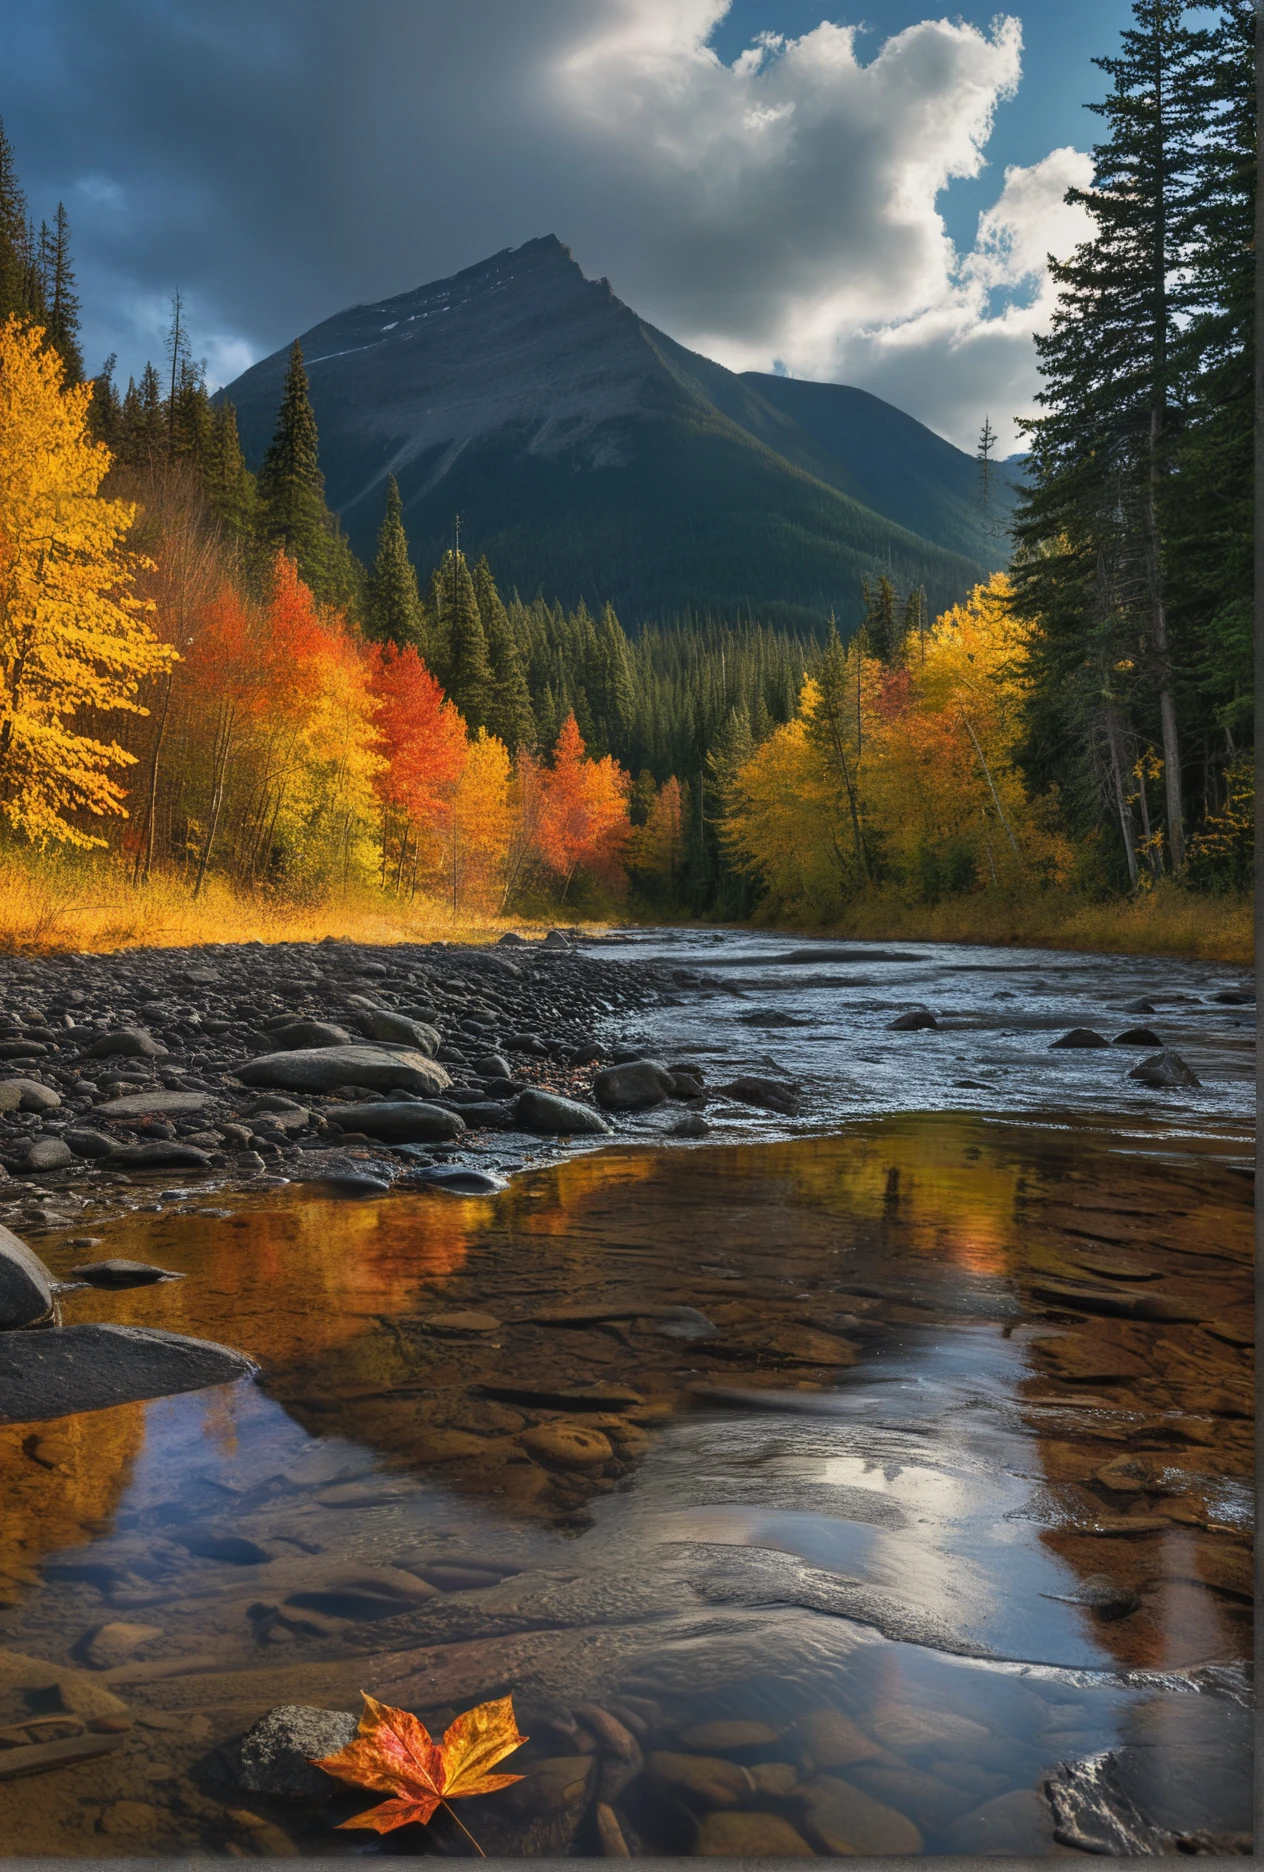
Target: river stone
{"x":1138,"y":1036}
{"x":710,"y":1778}
{"x":385,"y":1025}
{"x":462,"y":1322}
{"x":833,"y":1740}
{"x":122,"y":1273}
{"x":161,"y":1154}
{"x":86,"y":1143}
{"x":462,"y":1179}
{"x":845,"y":1820}
{"x":115,"y":1642}
{"x":567,"y":1446}
{"x":1165,"y":1069}
{"x":277,"y":1754}
{"x":909,"y":1730}
{"x":400,"y":1122}
{"x":131,"y":1042}
{"x":296,"y":1035}
{"x":45,"y":1153}
{"x":690,"y":1125}
{"x":722,"y":1737}
{"x":492,"y":1066}
{"x":1141,"y":1006}
{"x":10,"y":1095}
{"x":550,"y":1116}
{"x":32,"y":1096}
{"x":156,"y":1104}
{"x":1014,"y":1823}
{"x":1080,"y":1037}
{"x":632,"y":1087}
{"x":26,"y":1285}
{"x":929,"y":1802}
{"x":324,"y":1069}
{"x":90,"y":1367}
{"x":749,"y":1836}
{"x":913,"y":1022}
{"x":772,"y":1094}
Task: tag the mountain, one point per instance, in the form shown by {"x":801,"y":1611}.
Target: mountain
{"x":589,"y":454}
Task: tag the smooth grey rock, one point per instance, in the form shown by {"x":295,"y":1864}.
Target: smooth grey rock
{"x":156,"y":1104}
{"x":161,"y":1154}
{"x":10,"y":1095}
{"x":324,"y":1069}
{"x":462,"y":1179}
{"x":557,"y":940}
{"x":1141,"y":1006}
{"x":1137,"y":1036}
{"x":550,"y":1116}
{"x":277,"y":1754}
{"x":82,"y":1368}
{"x":1165,"y":1069}
{"x":912,"y":1022}
{"x":1015,"y":1823}
{"x":402,"y":1122}
{"x":632,"y":1087}
{"x":1080,"y":1037}
{"x":511,"y":936}
{"x":32,"y":1096}
{"x":42,"y":1153}
{"x":122,"y":1273}
{"x":690,"y":1125}
{"x":294,"y":1036}
{"x":26,"y":1285}
{"x":86,"y":1143}
{"x":133,"y":1042}
{"x":772,"y":1094}
{"x":384,"y":1024}
{"x":492,"y":1066}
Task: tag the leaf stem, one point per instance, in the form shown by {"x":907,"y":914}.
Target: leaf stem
{"x":469,"y":1836}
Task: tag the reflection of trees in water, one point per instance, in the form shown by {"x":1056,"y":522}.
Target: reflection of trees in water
{"x":61,"y":1482}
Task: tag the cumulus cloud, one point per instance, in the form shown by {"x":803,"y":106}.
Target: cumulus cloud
{"x":280,"y":163}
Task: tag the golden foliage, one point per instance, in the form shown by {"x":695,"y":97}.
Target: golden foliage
{"x":394,"y":1753}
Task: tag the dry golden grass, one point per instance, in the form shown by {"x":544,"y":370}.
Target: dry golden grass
{"x":1164,"y":921}
{"x":54,"y":903}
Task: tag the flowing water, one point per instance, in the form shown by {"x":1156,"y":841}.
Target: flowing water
{"x":789,"y":1448}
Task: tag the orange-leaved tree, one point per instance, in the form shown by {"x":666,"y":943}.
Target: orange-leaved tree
{"x":584,"y":813}
{"x":657,"y":849}
{"x":73,"y":636}
{"x":424,"y":747}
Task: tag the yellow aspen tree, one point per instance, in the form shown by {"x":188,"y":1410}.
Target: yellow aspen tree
{"x":73,"y":635}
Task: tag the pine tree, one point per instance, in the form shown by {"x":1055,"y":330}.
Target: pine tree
{"x":881,"y":621}
{"x":292,"y":498}
{"x":229,"y":484}
{"x":509,"y":715}
{"x":61,"y":301}
{"x":13,"y":237}
{"x":393,"y":606}
{"x":468,"y":677}
{"x":105,"y":412}
{"x":833,"y":730}
{"x":148,"y":442}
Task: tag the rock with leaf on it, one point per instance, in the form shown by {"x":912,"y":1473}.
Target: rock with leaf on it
{"x":393,"y":1753}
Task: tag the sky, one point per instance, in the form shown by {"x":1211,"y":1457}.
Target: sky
{"x":865,"y":194}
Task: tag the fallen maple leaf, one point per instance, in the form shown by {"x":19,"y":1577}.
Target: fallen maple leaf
{"x":395,"y":1754}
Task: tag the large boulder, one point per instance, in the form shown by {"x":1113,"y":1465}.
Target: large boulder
{"x":383,"y":1024}
{"x":88,"y":1143}
{"x":26,"y":1286}
{"x":31,"y":1096}
{"x":31,"y":1156}
{"x":81,"y":1368}
{"x":550,"y":1116}
{"x":277,"y":1754}
{"x":131,"y":1042}
{"x":1080,"y":1037}
{"x":400,"y":1122}
{"x":1165,"y":1069}
{"x":633,"y":1086}
{"x":158,"y":1103}
{"x":324,"y":1069}
{"x":293,"y":1036}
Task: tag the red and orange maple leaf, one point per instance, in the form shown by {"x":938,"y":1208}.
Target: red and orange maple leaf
{"x":395,"y":1754}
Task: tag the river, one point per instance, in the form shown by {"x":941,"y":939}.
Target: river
{"x":879,"y":1468}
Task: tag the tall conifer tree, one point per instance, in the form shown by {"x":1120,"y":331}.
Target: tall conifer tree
{"x":292,"y":498}
{"x":468,"y":676}
{"x":509,"y":713}
{"x":394,"y":611}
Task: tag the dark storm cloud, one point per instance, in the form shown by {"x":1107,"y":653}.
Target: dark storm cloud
{"x":278,"y":162}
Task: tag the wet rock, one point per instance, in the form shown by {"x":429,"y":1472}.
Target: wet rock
{"x":325,"y":1069}
{"x":550,"y":1116}
{"x":277,"y":1754}
{"x":462,"y":1323}
{"x":10,"y":1095}
{"x":492,"y":1066}
{"x":1102,"y":1595}
{"x":26,"y":1285}
{"x":1165,"y":1069}
{"x":366,"y":1593}
{"x":116,"y":1642}
{"x":908,"y":1730}
{"x":403,"y":1122}
{"x":350,"y":1183}
{"x":690,"y":1125}
{"x":231,"y":1549}
{"x":157,"y":1103}
{"x":129,"y":1042}
{"x":843,"y":1819}
{"x":1092,"y":1812}
{"x":75,"y":1693}
{"x":557,"y":940}
{"x":722,"y":1738}
{"x":567,"y":1446}
{"x":749,"y":1836}
{"x":89,"y":1367}
{"x":296,"y":1036}
{"x":383,"y":1024}
{"x":683,"y":1322}
{"x":929,"y":1802}
{"x":43,"y":1757}
{"x":162,"y":1154}
{"x":1141,"y":1006}
{"x":775,"y":1777}
{"x":632,"y":1087}
{"x":41,"y":1153}
{"x":462,"y":1179}
{"x":707,"y":1778}
{"x":1235,"y":997}
{"x":1017,"y":1822}
{"x":1137,"y":1036}
{"x":32,"y":1096}
{"x":915,"y":1021}
{"x":832,"y":1740}
{"x":122,"y":1273}
{"x":89,"y":1144}
{"x":609,"y":1832}
{"x":771,"y":1094}
{"x":1080,"y":1037}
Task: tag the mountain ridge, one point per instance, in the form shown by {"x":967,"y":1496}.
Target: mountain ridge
{"x":591,"y":454}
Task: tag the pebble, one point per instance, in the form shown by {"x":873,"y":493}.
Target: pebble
{"x":115,"y":1642}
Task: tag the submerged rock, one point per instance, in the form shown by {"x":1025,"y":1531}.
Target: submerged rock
{"x":26,"y":1285}
{"x":90,"y":1367}
{"x":277,"y":1754}
{"x":913,"y":1022}
{"x":1137,"y":1036}
{"x":462,"y":1179}
{"x":122,"y":1273}
{"x":324,"y":1069}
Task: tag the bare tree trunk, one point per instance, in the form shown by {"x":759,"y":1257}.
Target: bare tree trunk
{"x":1113,"y":741}
{"x":145,"y":861}
{"x":991,"y":786}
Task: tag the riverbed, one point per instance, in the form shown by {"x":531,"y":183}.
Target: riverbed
{"x":879,"y":1473}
